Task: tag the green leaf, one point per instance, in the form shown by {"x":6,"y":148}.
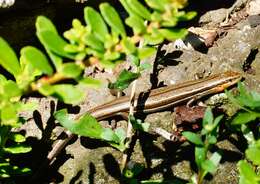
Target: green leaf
{"x":4,"y":170}
{"x":76,"y":24}
{"x":174,"y":33}
{"x":200,"y":156}
{"x":208,"y":117}
{"x":96,"y":23}
{"x":28,"y":75}
{"x":244,"y":117}
{"x":112,"y":18}
{"x":72,"y":48}
{"x":253,"y":152}
{"x":22,"y":171}
{"x":193,"y":137}
{"x":217,"y":120}
{"x":97,"y":54}
{"x":156,"y":4}
{"x":121,"y":134}
{"x":7,"y":170}
{"x":247,"y":174}
{"x":256,"y":96}
{"x":136,"y":23}
{"x":54,"y":43}
{"x":45,"y":24}
{"x":139,"y":9}
{"x":209,"y":128}
{"x":212,"y":139}
{"x":129,"y":174}
{"x":187,"y":16}
{"x":124,"y":80}
{"x":242,"y":90}
{"x":88,"y":126}
{"x":170,"y":22}
{"x":215,"y":158}
{"x":8,"y":115}
{"x":246,"y":98}
{"x":56,"y":60}
{"x":212,"y":164}
{"x":68,"y":93}
{"x":109,"y":64}
{"x":11,"y":89}
{"x":90,"y":82}
{"x":85,"y":126}
{"x":127,"y":7}
{"x":134,"y":59}
{"x":247,"y":133}
{"x":37,"y":59}
{"x":154,"y":38}
{"x":71,"y":70}
{"x":2,"y":79}
{"x":26,"y":106}
{"x":208,"y":166}
{"x":157,"y":17}
{"x":111,"y":41}
{"x":110,"y":56}
{"x":17,"y":137}
{"x":64,"y":119}
{"x":46,"y":89}
{"x":8,"y":58}
{"x":146,"y":52}
{"x":92,"y":41}
{"x":133,"y":169}
{"x":80,"y":56}
{"x":145,"y":66}
{"x":128,"y":46}
{"x":139,"y":125}
{"x":109,"y":135}
{"x":120,"y":146}
{"x":18,"y":149}
{"x":233,"y":99}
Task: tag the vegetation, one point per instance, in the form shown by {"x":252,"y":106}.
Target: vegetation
{"x":245,"y":121}
{"x":103,"y":42}
{"x":203,"y":142}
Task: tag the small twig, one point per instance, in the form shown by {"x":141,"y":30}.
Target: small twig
{"x":129,"y":124}
{"x":131,"y":113}
{"x":167,"y":135}
{"x":59,"y":146}
{"x":35,"y":86}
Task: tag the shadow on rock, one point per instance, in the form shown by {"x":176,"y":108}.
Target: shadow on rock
{"x":112,"y":167}
{"x":90,"y":143}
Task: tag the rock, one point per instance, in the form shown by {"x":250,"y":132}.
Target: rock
{"x":228,"y":53}
{"x":91,"y":165}
{"x":214,"y":17}
{"x":253,"y":7}
{"x":6,"y":3}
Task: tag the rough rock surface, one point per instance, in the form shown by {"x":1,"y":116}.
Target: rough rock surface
{"x":228,"y":53}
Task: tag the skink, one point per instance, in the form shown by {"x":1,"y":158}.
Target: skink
{"x":160,"y":99}
{"x":165,"y":97}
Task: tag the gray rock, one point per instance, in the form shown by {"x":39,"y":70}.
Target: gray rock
{"x":253,"y":7}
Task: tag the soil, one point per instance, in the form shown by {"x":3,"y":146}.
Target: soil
{"x":224,"y":36}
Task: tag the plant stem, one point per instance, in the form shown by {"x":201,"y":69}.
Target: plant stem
{"x":129,"y":124}
{"x":131,"y":113}
{"x":35,"y":86}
